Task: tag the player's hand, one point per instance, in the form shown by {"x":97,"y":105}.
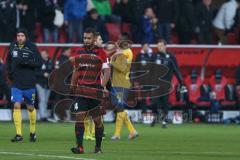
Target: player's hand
{"x":154,"y":20}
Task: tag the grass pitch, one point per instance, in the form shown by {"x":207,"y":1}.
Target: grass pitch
{"x":177,"y":142}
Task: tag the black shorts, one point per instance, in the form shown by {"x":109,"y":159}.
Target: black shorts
{"x":84,"y":104}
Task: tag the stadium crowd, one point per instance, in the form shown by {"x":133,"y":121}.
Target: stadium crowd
{"x":177,"y":21}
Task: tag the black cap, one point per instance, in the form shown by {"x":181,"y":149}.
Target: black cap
{"x":22,"y":30}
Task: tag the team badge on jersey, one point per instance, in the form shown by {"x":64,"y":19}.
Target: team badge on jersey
{"x":15,"y":53}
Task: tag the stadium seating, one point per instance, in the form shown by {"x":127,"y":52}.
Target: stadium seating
{"x":114,"y":31}
{"x":193,"y":83}
{"x":218,"y":84}
{"x":126,"y":27}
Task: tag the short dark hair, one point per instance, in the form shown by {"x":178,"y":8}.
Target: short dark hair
{"x":144,"y":42}
{"x":22,"y":30}
{"x":90,"y":30}
{"x":124,"y":36}
{"x":162,"y":41}
{"x":93,"y":11}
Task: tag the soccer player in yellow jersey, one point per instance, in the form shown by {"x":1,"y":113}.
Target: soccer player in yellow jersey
{"x":121,"y":66}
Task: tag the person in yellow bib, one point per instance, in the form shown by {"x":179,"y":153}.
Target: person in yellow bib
{"x":121,"y":66}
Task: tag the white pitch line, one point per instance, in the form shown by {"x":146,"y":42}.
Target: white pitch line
{"x":43,"y":155}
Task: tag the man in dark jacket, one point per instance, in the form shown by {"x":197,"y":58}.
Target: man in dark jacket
{"x":185,"y":21}
{"x":94,"y":21}
{"x":46,"y":11}
{"x":22,"y":60}
{"x":204,"y":17}
{"x":123,"y":9}
{"x":165,"y":58}
{"x":138,"y":7}
{"x":26,"y":16}
{"x":7,"y":20}
{"x":166,"y":12}
{"x":42,"y":84}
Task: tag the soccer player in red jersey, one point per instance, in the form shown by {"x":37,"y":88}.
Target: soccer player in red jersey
{"x":87,"y":73}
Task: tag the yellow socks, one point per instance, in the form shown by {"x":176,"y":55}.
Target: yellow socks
{"x":128,"y":123}
{"x":32,"y":118}
{"x":118,"y":125}
{"x":17,"y":118}
{"x":92,"y":129}
{"x":86,"y":127}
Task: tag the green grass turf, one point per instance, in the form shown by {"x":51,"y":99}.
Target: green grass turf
{"x":177,"y":142}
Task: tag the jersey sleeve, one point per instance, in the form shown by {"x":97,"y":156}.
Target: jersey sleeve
{"x":104,"y":58}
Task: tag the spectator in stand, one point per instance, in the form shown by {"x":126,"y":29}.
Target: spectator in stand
{"x":74,"y":13}
{"x":137,"y":10}
{"x":166,"y":12}
{"x":104,"y":10}
{"x":42,"y":84}
{"x":122,"y":9}
{"x":185,"y":22}
{"x":224,"y":20}
{"x":149,"y":26}
{"x":7,"y":20}
{"x":46,"y":11}
{"x":146,"y":54}
{"x":26,"y":16}
{"x":94,"y":21}
{"x":204,"y":16}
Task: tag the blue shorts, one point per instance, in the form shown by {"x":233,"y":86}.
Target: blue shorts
{"x":119,"y":96}
{"x":27,"y":95}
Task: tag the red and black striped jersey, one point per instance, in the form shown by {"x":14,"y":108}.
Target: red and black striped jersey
{"x":89,"y":65}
